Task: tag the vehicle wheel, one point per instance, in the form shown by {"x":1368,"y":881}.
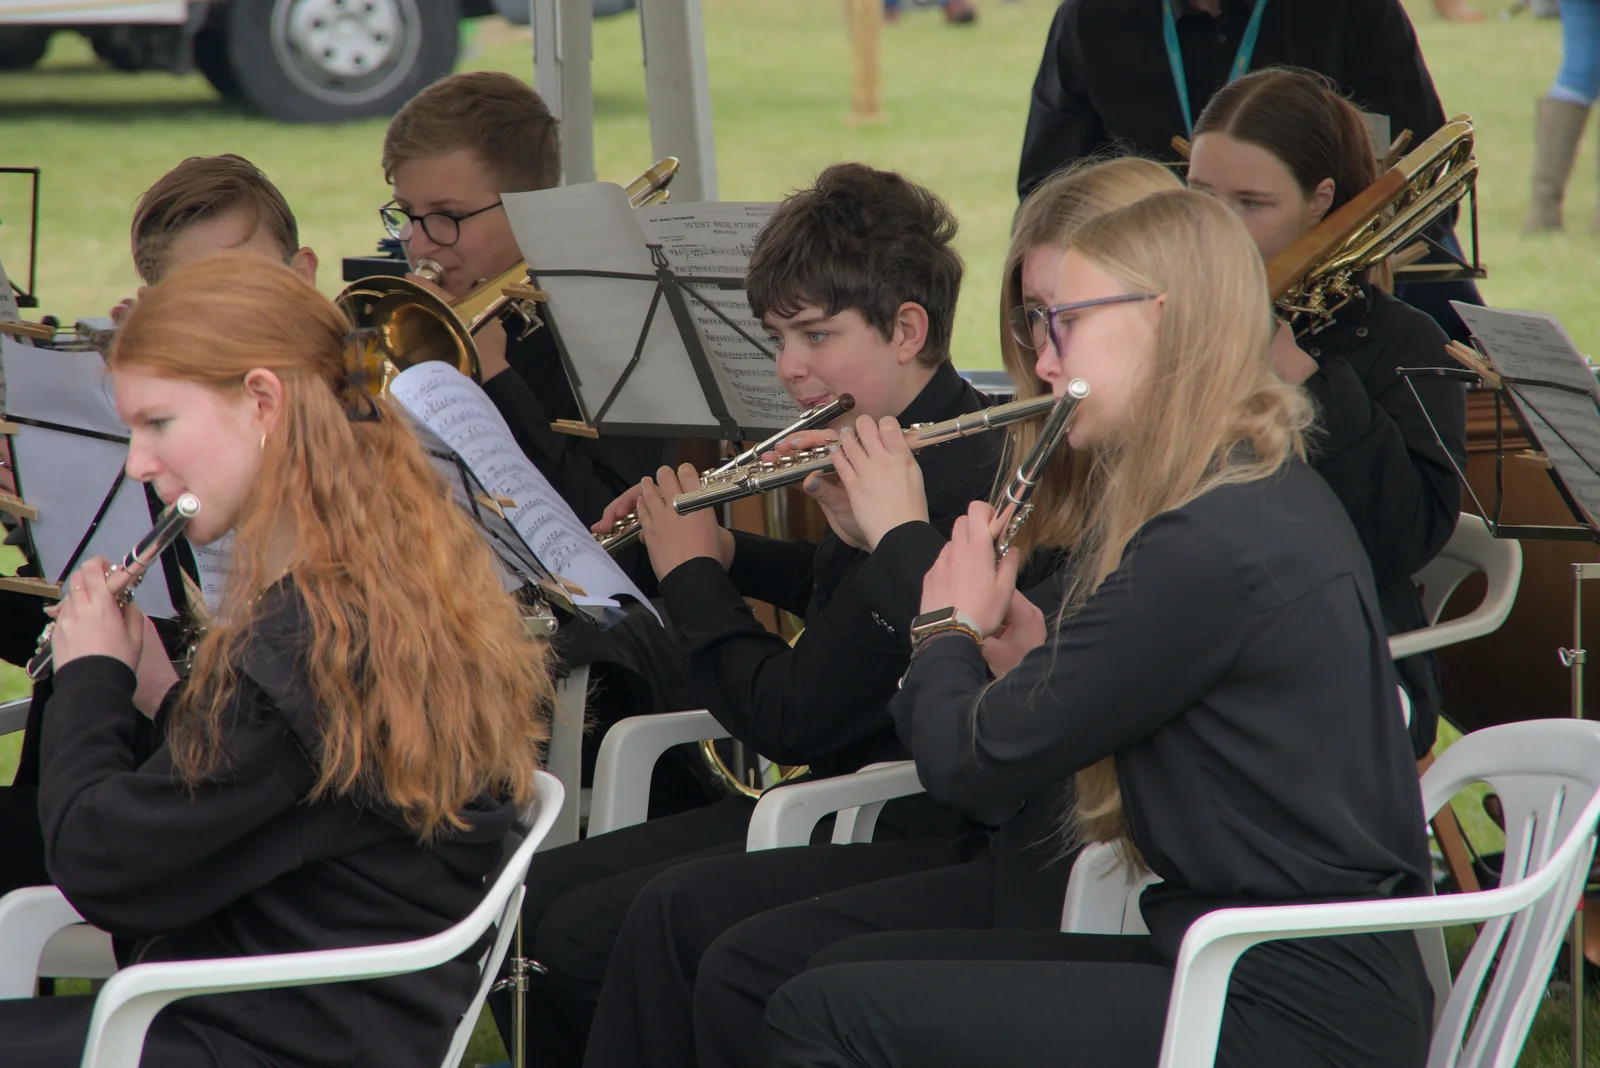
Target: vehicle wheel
{"x":334,"y":60}
{"x":211,"y":60}
{"x":23,"y":46}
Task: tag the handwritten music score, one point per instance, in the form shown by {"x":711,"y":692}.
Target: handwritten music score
{"x":1565,"y":424}
{"x":457,"y":410}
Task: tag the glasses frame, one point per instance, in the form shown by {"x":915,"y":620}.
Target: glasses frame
{"x":1023,"y":317}
{"x":422,"y":220}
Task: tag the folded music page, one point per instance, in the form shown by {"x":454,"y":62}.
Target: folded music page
{"x":457,"y":411}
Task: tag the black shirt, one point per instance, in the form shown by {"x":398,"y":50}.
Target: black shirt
{"x":823,"y":702}
{"x":1235,"y":665}
{"x":589,"y":473}
{"x":247,"y":864}
{"x":1377,"y":448}
{"x":1105,"y":78}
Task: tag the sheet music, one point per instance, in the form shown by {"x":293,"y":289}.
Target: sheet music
{"x":67,"y":476}
{"x":591,"y":227}
{"x":456,"y":409}
{"x":1565,"y":425}
{"x":714,"y":239}
{"x":212,"y":563}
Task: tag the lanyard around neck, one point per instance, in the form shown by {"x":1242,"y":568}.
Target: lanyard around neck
{"x":1241,"y":59}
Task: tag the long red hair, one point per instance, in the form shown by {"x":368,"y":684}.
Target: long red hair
{"x":430,"y":690}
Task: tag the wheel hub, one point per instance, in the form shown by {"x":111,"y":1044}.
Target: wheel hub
{"x":345,"y":39}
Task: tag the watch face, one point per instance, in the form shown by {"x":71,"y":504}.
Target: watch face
{"x":938,"y":615}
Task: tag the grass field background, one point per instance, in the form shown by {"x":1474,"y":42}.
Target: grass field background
{"x":956,"y":99}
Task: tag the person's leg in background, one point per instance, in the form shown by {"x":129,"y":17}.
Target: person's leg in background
{"x":1563,"y":113}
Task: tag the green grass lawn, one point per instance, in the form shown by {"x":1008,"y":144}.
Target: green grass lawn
{"x":956,"y":99}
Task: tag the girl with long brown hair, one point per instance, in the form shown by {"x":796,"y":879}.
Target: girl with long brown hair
{"x":363,"y":715}
{"x":1206,"y":668}
{"x":1284,"y":150}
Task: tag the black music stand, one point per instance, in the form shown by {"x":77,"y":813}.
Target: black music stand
{"x":676,"y":292}
{"x":1538,"y":376}
{"x":28,"y":298}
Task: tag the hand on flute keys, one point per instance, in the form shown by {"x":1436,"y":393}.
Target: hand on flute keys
{"x":877,"y":484}
{"x":673,"y":539}
{"x":88,"y":622}
{"x":966,"y":576}
{"x":1022,"y":630}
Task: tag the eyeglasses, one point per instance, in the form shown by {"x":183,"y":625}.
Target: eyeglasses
{"x":442,"y":227}
{"x":1032,"y":326}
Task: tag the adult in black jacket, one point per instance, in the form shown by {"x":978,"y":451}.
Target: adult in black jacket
{"x":856,"y":278}
{"x":1283,"y":150}
{"x":1214,"y":694}
{"x":450,"y":153}
{"x":339,"y":770}
{"x":1107,"y":81}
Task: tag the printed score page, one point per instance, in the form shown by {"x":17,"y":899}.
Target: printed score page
{"x":713,"y":239}
{"x":461,"y":415}
{"x":591,"y":227}
{"x":66,"y":475}
{"x":1522,"y":344}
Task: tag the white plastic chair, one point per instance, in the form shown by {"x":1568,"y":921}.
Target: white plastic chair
{"x":627,"y":760}
{"x":1547,"y":774}
{"x":132,"y":997}
{"x":13,"y":716}
{"x":786,"y":815}
{"x":1471,"y":548}
{"x":564,"y":759}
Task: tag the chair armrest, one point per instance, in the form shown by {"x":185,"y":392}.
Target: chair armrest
{"x":14,"y":715}
{"x":29,"y":918}
{"x":786,"y":815}
{"x":627,"y":758}
{"x":1214,"y":942}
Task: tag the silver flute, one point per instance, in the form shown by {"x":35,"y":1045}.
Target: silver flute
{"x":1029,"y":471}
{"x":625,"y":531}
{"x":124,"y":577}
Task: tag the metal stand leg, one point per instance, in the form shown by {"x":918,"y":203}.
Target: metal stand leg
{"x":518,"y":968}
{"x":1573,"y":659}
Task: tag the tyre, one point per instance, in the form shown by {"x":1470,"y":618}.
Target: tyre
{"x":23,"y":46}
{"x":330,"y":61}
{"x":211,"y":60}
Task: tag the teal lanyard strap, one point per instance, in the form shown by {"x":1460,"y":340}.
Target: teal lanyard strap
{"x":1241,"y":59}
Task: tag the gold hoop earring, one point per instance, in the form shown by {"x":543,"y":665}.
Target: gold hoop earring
{"x":263,"y":443}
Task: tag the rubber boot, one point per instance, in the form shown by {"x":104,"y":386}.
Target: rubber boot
{"x":1557,"y":131}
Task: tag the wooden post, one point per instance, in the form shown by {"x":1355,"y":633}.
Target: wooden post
{"x":866,"y":60}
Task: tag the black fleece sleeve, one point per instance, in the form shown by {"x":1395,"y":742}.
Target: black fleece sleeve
{"x":1377,"y":449}
{"x":1063,"y":124}
{"x":134,"y":849}
{"x":984,"y":749}
{"x":827,"y":691}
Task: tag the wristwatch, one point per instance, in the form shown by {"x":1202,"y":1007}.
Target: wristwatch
{"x":941,"y":620}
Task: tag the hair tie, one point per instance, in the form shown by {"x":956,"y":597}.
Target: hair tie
{"x":363,"y":375}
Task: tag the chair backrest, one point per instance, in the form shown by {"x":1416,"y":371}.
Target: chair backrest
{"x":1103,"y":894}
{"x":1470,"y":549}
{"x":533,"y":825}
{"x":1545,"y":773}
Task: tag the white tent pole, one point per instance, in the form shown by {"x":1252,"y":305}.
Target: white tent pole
{"x":679,"y":94}
{"x":563,"y":48}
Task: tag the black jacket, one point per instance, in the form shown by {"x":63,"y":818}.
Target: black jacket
{"x":247,"y":864}
{"x":589,"y":473}
{"x":823,"y":702}
{"x":1377,"y":448}
{"x":1235,"y":666}
{"x":1105,"y":79}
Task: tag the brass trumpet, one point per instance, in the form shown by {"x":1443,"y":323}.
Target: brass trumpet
{"x":411,"y":325}
{"x":625,"y":531}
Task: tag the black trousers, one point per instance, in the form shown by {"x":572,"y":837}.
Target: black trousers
{"x":50,"y":1032}
{"x":707,"y":942}
{"x":576,"y":899}
{"x":696,"y":965}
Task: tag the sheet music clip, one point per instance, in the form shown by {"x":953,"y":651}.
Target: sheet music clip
{"x":575,"y":427}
